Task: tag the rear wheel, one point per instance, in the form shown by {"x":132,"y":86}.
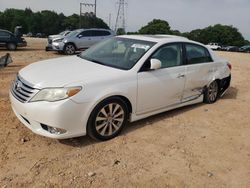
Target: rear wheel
{"x":69,"y":49}
{"x":211,"y":93}
{"x":107,"y":119}
{"x":11,"y":46}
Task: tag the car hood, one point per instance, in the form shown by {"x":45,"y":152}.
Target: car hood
{"x":54,"y":36}
{"x":66,"y":71}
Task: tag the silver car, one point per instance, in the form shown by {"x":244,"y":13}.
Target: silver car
{"x":80,"y":39}
{"x":51,"y":38}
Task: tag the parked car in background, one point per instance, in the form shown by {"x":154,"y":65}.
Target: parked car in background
{"x":245,"y":49}
{"x":55,"y":37}
{"x":80,"y":39}
{"x":232,"y":48}
{"x":29,"y":34}
{"x":120,"y":79}
{"x":224,"y":48}
{"x":10,"y":41}
{"x":40,"y":35}
{"x":214,"y":46}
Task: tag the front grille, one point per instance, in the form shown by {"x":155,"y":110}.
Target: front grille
{"x":22,"y":91}
{"x":50,"y":41}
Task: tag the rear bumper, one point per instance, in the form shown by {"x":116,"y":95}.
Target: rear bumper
{"x":224,"y":85}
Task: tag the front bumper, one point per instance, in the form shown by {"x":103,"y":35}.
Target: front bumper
{"x":65,"y":114}
{"x":58,"y":46}
{"x":23,"y":44}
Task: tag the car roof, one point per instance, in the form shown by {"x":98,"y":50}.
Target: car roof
{"x":6,"y":31}
{"x":159,"y":38}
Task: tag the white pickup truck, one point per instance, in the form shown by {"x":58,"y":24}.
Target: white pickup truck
{"x":214,"y":46}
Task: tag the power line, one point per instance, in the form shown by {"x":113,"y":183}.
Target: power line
{"x":89,"y":5}
{"x":120,"y":19}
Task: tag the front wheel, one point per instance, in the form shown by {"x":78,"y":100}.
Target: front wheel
{"x":211,"y":93}
{"x":11,"y":46}
{"x":69,"y":49}
{"x":107,"y":119}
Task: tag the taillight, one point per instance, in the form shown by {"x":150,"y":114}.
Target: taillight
{"x":229,"y":66}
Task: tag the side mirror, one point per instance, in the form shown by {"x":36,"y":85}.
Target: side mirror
{"x":155,"y":64}
{"x":80,"y":36}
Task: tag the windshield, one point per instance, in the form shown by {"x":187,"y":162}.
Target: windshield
{"x":117,"y":52}
{"x":245,"y":47}
{"x":73,"y":33}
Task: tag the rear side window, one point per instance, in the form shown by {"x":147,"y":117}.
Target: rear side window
{"x":197,"y":54}
{"x":99,"y":33}
{"x":88,"y":33}
{"x":4,"y":34}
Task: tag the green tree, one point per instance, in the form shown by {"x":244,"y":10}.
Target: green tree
{"x":120,"y":31}
{"x":223,"y":34}
{"x":156,"y":27}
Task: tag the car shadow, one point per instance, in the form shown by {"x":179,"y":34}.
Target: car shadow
{"x":231,"y":93}
{"x":86,"y":140}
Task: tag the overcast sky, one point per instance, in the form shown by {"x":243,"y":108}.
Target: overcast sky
{"x":184,"y":15}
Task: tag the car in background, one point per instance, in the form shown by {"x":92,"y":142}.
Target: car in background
{"x":54,"y":37}
{"x":214,"y":46}
{"x":29,"y":34}
{"x":232,"y":49}
{"x":245,"y":49}
{"x":10,"y":41}
{"x":80,"y":39}
{"x":121,"y":79}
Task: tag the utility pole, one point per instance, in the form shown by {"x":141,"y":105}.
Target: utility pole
{"x":120,"y":19}
{"x":91,"y":5}
{"x":109,"y":20}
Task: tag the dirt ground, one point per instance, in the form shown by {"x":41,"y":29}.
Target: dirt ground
{"x":195,"y":146}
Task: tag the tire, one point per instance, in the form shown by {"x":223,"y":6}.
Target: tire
{"x":11,"y":46}
{"x":108,"y":119}
{"x":211,"y":93}
{"x":69,"y":49}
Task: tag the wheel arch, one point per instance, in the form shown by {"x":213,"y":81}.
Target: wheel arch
{"x":72,"y":43}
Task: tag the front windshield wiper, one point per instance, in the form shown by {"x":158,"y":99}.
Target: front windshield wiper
{"x":92,"y":60}
{"x":101,"y":63}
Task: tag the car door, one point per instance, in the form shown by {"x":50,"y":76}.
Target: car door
{"x":199,"y":70}
{"x":163,"y":87}
{"x":85,"y":39}
{"x":4,"y":38}
{"x":100,"y":35}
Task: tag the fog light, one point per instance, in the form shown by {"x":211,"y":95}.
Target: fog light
{"x":57,"y":131}
{"x":53,"y":130}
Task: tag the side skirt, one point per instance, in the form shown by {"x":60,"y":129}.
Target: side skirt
{"x":135,"y":117}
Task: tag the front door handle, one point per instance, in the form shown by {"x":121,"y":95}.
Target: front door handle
{"x":181,"y":76}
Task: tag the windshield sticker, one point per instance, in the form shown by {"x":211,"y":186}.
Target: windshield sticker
{"x":141,"y":46}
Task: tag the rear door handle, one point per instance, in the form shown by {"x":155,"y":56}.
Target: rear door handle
{"x":181,"y":76}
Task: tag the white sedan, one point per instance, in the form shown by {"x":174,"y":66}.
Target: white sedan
{"x":125,"y":78}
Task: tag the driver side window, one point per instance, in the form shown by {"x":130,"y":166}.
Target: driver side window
{"x":170,"y":55}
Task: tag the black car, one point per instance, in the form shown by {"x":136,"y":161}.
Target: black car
{"x":245,"y":49}
{"x":232,"y":48}
{"x":10,"y":41}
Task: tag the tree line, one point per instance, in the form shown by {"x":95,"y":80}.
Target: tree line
{"x":50,"y":22}
{"x":222,"y":34}
{"x":47,"y":22}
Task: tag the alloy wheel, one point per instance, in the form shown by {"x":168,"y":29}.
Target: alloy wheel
{"x":70,"y":49}
{"x":213,"y":91}
{"x":109,"y":119}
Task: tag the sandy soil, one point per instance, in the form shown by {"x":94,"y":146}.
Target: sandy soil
{"x":196,"y":146}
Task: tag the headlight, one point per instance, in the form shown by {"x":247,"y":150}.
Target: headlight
{"x":58,"y":40}
{"x":55,"y":94}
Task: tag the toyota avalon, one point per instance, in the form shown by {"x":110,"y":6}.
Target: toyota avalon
{"x":119,"y":80}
